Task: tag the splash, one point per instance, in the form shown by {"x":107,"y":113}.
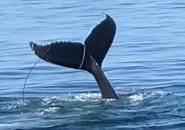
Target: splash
{"x":140,"y":96}
{"x":86,"y":97}
{"x":13,"y":104}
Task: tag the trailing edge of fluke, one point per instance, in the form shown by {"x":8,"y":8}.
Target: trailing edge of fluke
{"x":88,"y":56}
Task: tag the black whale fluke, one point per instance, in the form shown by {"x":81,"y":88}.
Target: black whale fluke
{"x":68,"y":54}
{"x":100,"y":39}
{"x":88,"y":56}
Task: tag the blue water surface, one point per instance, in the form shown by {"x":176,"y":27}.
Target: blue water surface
{"x":145,"y":65}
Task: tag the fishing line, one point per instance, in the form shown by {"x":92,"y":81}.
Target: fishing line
{"x":83,"y":57}
{"x":81,"y":64}
{"x":24,"y":87}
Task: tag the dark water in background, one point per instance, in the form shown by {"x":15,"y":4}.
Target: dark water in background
{"x":145,"y":65}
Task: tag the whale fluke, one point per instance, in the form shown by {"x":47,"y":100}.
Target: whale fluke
{"x":88,"y":56}
{"x":100,"y":39}
{"x":68,"y":54}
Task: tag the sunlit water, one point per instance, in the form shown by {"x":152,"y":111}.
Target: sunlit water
{"x":145,"y":65}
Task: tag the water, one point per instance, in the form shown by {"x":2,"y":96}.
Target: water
{"x":145,"y":65}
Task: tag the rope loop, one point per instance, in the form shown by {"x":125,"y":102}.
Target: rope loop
{"x":83,"y":57}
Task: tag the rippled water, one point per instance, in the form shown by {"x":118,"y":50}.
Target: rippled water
{"x":145,"y":65}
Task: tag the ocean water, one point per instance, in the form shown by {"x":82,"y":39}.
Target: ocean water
{"x":145,"y":65}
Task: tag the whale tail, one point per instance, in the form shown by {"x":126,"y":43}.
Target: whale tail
{"x":88,"y":56}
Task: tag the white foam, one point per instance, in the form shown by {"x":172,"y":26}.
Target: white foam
{"x":42,"y":111}
{"x":87,"y":97}
{"x":146,"y":94}
{"x":58,"y":100}
{"x":51,"y":100}
{"x":14,"y":104}
{"x":137,"y":97}
{"x":51,"y":109}
{"x":22,"y":102}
